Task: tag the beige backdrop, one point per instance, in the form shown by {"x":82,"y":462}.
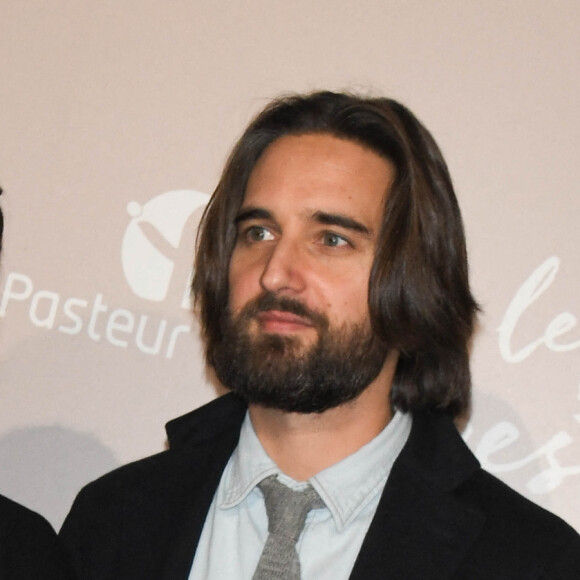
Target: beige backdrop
{"x":115,"y":120}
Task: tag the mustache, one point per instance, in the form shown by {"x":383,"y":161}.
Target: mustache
{"x":270,"y":301}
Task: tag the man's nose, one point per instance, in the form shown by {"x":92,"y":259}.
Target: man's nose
{"x":284,"y":269}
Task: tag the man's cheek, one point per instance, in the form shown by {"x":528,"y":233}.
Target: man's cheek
{"x":237,"y":298}
{"x":242,"y":291}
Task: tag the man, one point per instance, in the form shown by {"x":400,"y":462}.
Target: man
{"x":331,"y":280}
{"x":29,"y":547}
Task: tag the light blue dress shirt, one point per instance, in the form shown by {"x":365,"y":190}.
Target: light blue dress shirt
{"x":236,"y":527}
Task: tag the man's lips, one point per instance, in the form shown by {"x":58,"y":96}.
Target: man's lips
{"x":282,"y":321}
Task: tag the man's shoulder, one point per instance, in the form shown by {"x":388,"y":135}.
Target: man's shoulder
{"x":197,"y":440}
{"x":148,"y":501}
{"x":501,"y":504}
{"x":514,"y":513}
{"x":509,"y":533}
{"x":191,"y":437}
{"x":517,"y":529}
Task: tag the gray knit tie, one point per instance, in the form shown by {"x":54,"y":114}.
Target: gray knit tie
{"x":287,"y":510}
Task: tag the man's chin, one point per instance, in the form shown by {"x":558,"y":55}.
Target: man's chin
{"x":298,"y":372}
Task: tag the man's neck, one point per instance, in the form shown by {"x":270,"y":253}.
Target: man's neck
{"x":303,"y":444}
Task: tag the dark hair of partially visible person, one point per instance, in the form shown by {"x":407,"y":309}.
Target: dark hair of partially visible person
{"x":419,"y":297}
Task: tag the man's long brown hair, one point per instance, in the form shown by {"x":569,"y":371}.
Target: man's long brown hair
{"x":419,"y":297}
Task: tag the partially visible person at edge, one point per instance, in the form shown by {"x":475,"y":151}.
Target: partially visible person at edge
{"x":29,"y":547}
{"x":332,"y":284}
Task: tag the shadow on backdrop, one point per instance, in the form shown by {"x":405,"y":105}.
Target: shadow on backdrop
{"x":43,"y":468}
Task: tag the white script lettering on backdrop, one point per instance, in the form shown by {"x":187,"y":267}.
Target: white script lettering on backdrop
{"x":539,"y":281}
{"x":504,"y":434}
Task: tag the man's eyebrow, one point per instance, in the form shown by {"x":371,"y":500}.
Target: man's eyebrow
{"x":334,"y":219}
{"x":252,"y":213}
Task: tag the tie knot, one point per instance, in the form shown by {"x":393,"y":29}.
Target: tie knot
{"x":287,"y":508}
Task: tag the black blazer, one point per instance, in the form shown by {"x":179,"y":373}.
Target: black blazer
{"x":29,"y":548}
{"x":440,"y":516}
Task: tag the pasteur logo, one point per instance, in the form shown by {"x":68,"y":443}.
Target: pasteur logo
{"x":152,"y":237}
{"x":153,"y":265}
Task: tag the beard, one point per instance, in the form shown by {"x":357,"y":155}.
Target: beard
{"x":280,"y":372}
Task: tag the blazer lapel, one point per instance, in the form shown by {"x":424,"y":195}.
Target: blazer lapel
{"x":206,"y":443}
{"x":421,"y":529}
{"x":194,"y":501}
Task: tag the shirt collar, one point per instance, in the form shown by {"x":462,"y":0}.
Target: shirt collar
{"x":349,"y":485}
{"x":248,"y":465}
{"x":346,"y":487}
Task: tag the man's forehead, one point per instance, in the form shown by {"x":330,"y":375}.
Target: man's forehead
{"x":320,"y":147}
{"x":318,"y":172}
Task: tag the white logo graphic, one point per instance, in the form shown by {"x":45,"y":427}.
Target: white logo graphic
{"x":148,"y":270}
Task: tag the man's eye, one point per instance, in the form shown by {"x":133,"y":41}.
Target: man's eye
{"x":334,"y":240}
{"x":258,"y":234}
